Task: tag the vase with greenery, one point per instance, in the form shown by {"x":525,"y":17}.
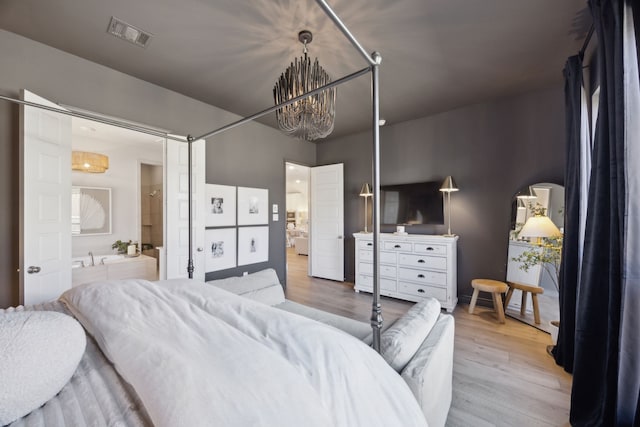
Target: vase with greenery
{"x":547,"y":254}
{"x":121,"y":246}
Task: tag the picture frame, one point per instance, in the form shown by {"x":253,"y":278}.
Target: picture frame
{"x":220,"y":249}
{"x":221,"y":205}
{"x":253,"y":206}
{"x":90,"y":211}
{"x":253,"y":245}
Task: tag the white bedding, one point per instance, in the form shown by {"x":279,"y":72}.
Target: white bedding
{"x":200,"y":356}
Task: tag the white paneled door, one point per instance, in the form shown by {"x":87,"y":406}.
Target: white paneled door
{"x":327,"y":222}
{"x":177,"y":244}
{"x":45,"y":202}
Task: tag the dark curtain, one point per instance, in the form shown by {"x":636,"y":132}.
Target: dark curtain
{"x":563,"y":351}
{"x":595,"y":367}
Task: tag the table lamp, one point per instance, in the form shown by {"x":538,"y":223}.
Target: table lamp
{"x":366,"y":192}
{"x":448,"y":186}
{"x":538,"y":227}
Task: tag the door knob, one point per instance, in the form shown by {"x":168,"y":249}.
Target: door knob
{"x":199,"y":249}
{"x":339,"y":237}
{"x":33,"y":269}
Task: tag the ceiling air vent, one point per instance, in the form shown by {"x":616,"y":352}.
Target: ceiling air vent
{"x":128,"y":32}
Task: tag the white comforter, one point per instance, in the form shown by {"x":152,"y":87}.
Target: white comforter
{"x":200,"y":356}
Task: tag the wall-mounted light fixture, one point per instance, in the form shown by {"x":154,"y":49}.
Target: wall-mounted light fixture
{"x":89,"y":162}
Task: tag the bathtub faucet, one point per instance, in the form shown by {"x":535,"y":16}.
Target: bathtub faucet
{"x":91,"y":255}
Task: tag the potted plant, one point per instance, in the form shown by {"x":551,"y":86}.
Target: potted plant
{"x":121,"y":246}
{"x":546,"y":252}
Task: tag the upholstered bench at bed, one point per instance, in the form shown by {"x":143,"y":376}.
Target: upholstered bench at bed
{"x":419,"y":345}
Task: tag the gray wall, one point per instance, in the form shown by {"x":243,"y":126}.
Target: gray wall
{"x":491,"y":150}
{"x":250,"y":156}
{"x":70,"y":80}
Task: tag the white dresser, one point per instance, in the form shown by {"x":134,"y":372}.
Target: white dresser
{"x":412,"y":267}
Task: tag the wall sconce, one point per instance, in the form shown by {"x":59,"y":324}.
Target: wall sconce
{"x":448,"y":186}
{"x":89,"y":162}
{"x":366,"y":192}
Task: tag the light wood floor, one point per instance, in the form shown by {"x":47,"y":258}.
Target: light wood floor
{"x":502,"y":374}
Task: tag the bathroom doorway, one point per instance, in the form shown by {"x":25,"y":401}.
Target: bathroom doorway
{"x":151,"y":209}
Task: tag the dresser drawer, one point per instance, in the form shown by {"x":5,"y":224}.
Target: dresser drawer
{"x":365,"y":244}
{"x":365,"y":268}
{"x":424,"y":248}
{"x":397,"y":246}
{"x":367,"y":281}
{"x":365,"y":255}
{"x":422,"y":261}
{"x":385,"y":270}
{"x":388,"y":257}
{"x":422,"y":291}
{"x":385,"y":257}
{"x":423,"y":276}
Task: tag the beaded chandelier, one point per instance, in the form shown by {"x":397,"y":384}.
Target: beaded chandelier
{"x":312,"y":117}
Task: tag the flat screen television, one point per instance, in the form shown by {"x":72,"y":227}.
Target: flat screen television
{"x":418,"y":203}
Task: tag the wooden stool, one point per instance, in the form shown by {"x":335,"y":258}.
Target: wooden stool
{"x":495,"y":288}
{"x":533,"y":290}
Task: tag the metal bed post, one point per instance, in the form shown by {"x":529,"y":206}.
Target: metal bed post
{"x":374,"y":60}
{"x":190,"y":267}
{"x":376,"y":309}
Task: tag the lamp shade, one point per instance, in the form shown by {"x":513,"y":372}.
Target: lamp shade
{"x":449,"y":185}
{"x":539,"y":226}
{"x":89,"y":162}
{"x":365,"y":191}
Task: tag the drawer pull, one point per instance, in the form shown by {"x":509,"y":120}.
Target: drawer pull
{"x":397,"y":246}
{"x":421,"y":261}
{"x":369,"y":244}
{"x":421,"y":291}
{"x":421,"y":276}
{"x":429,"y":248}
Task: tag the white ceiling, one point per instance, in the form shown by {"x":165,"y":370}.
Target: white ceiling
{"x":90,"y":135}
{"x":437,"y":54}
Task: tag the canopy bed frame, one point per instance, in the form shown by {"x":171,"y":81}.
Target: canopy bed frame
{"x":374,"y":60}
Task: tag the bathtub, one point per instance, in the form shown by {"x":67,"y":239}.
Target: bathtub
{"x":85,"y":261}
{"x":113,"y":267}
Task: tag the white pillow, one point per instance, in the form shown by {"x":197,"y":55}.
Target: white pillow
{"x":39,"y":352}
{"x":400,"y":342}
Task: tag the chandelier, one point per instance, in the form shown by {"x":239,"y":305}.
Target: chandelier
{"x":312,"y":117}
{"x":89,"y":162}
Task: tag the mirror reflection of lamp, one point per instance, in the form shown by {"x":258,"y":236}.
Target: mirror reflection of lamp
{"x":366,"y":192}
{"x":448,"y":186}
{"x":539,"y":226}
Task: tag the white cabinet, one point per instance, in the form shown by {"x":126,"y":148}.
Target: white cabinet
{"x":412,"y":267}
